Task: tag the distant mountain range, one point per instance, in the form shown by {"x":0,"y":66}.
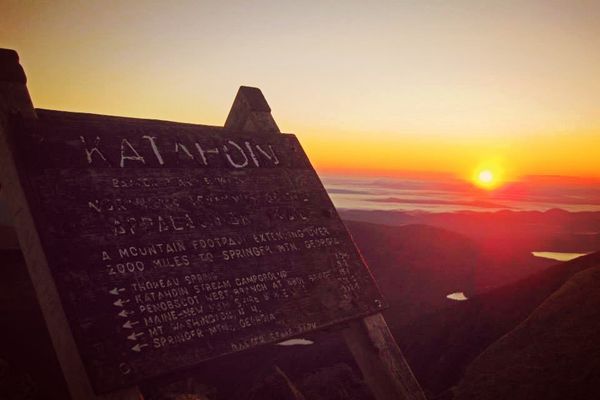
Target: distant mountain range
{"x":551,"y":230}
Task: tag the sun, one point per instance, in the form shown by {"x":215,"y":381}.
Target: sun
{"x":487,"y":178}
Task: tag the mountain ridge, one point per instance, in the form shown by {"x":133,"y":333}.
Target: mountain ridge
{"x":562,"y":362}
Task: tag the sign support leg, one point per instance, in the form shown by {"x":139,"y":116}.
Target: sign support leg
{"x":379,"y":358}
{"x":15,"y":99}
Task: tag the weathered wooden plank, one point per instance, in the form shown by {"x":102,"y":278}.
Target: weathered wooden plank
{"x":381,"y":361}
{"x":169,"y":244}
{"x":165,"y":244}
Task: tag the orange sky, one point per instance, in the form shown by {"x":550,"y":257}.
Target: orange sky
{"x":391,"y":86}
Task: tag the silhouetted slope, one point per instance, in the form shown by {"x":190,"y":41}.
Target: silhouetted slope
{"x":505,"y":238}
{"x":520,"y":228}
{"x":439,"y":346}
{"x":415,"y":266}
{"x":553,"y":354}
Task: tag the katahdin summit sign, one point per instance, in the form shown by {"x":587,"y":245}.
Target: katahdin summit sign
{"x":171,"y":244}
{"x":154,"y":245}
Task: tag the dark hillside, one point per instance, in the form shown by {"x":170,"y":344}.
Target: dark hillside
{"x":553,"y":355}
{"x":416,"y":266}
{"x":439,"y":346}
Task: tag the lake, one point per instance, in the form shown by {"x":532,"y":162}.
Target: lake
{"x":558,"y":256}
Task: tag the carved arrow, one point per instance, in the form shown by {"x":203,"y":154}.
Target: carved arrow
{"x":134,"y":336}
{"x":116,"y":291}
{"x":138,"y":347}
{"x":125,"y":313}
{"x":120,"y":302}
{"x":129,"y":324}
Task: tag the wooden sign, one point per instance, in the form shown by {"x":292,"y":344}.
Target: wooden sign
{"x":155,"y":245}
{"x":174,"y":243}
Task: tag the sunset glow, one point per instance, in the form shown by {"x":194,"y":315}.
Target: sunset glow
{"x":368,"y":88}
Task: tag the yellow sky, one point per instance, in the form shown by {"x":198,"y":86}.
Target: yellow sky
{"x":405,"y":85}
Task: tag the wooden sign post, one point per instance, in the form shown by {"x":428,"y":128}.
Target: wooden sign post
{"x":16,"y":103}
{"x":155,"y":245}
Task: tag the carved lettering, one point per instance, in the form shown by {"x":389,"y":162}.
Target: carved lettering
{"x":128,"y":152}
